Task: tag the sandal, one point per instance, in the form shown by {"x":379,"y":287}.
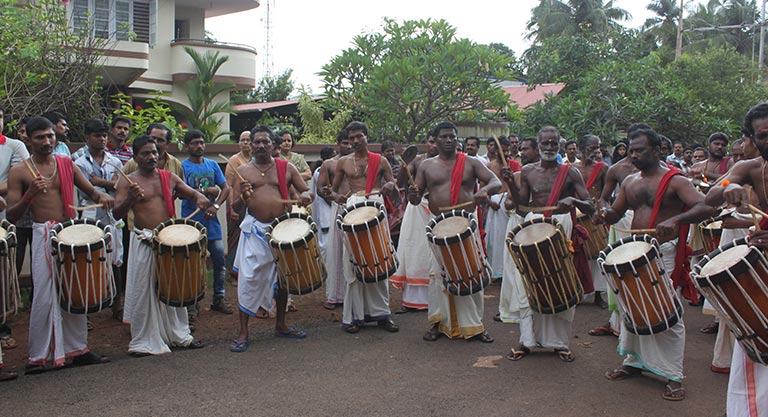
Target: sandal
{"x":291,"y":308}
{"x":674,"y":394}
{"x":32,"y":369}
{"x":7,"y":342}
{"x":483,"y":337}
{"x":262,"y":314}
{"x":622,"y":372}
{"x":711,"y":329}
{"x":194,"y":344}
{"x":515,"y":354}
{"x":601,"y":331}
{"x":238,"y":346}
{"x":351,"y":328}
{"x":291,"y":334}
{"x":432,"y":334}
{"x":565,"y":355}
{"x":8,"y":375}
{"x":89,"y":358}
{"x":329,"y":306}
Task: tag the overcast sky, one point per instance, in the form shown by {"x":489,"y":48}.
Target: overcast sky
{"x":306,"y":34}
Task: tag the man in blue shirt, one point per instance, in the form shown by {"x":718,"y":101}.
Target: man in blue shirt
{"x":204,"y":175}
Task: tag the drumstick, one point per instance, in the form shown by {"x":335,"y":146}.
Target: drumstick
{"x":753,"y":210}
{"x":537,"y":209}
{"x":499,"y":150}
{"x":280,"y":200}
{"x":191,"y":215}
{"x":407,"y":171}
{"x":83,"y":208}
{"x":636,"y":231}
{"x":123,"y":174}
{"x":247,"y":194}
{"x":457,"y":206}
{"x":32,"y":171}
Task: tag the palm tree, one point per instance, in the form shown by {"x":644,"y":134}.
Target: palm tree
{"x":663,"y":26}
{"x":556,"y":17}
{"x":724,"y":23}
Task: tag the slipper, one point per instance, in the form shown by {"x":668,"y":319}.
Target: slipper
{"x":8,"y":375}
{"x":195,"y":344}
{"x":238,"y":346}
{"x":329,"y":306}
{"x":7,"y":342}
{"x":31,"y":369}
{"x":601,"y":331}
{"x":565,"y":355}
{"x":291,"y":308}
{"x":483,"y":337}
{"x":621,"y":373}
{"x":139,"y":354}
{"x":89,"y":358}
{"x":673,"y":394}
{"x":89,"y":325}
{"x":262,"y":314}
{"x":291,"y":334}
{"x":711,"y":329}
{"x":432,"y":334}
{"x":516,"y":355}
{"x":497,"y":317}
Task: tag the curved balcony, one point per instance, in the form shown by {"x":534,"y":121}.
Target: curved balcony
{"x":240,"y":69}
{"x":124,"y":61}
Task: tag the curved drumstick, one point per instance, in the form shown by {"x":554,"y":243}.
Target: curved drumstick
{"x":123,"y":174}
{"x":500,"y":151}
{"x":83,"y":208}
{"x":191,"y":215}
{"x":537,"y":209}
{"x":32,"y":171}
{"x":636,"y":231}
{"x":247,"y":194}
{"x":457,"y":206}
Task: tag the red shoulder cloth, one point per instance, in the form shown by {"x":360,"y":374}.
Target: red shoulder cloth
{"x":595,"y":174}
{"x":514,"y":165}
{"x":281,"y":165}
{"x":165,"y":185}
{"x":724,"y":165}
{"x":457,"y":174}
{"x":681,"y":274}
{"x":557,"y":187}
{"x":374,"y":160}
{"x":67,"y":184}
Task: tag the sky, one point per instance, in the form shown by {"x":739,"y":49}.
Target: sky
{"x":306,"y":34}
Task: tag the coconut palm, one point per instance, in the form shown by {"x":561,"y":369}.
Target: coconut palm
{"x":663,"y":26}
{"x":556,"y":17}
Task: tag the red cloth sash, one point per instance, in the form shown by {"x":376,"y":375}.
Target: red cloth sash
{"x":457,"y":174}
{"x":281,"y":166}
{"x":594,"y":174}
{"x":165,"y":186}
{"x":2,"y":139}
{"x":514,"y":165}
{"x":557,"y":187}
{"x":724,"y":165}
{"x":67,"y":184}
{"x":374,"y":160}
{"x":681,"y":274}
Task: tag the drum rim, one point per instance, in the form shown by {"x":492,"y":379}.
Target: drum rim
{"x":362,"y":226}
{"x":740,"y":267}
{"x":10,"y":238}
{"x":296,"y":243}
{"x":56,"y":244}
{"x":628,"y":265}
{"x":163,"y":248}
{"x":450,"y":240}
{"x":512,"y":233}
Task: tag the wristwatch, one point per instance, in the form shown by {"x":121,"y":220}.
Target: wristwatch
{"x":216,"y":206}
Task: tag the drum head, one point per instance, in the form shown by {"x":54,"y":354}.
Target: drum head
{"x":178,"y":235}
{"x":725,"y":260}
{"x":714,"y":225}
{"x":450,"y":226}
{"x":298,"y":209}
{"x":290,"y":230}
{"x":361,"y":215}
{"x":3,"y":233}
{"x":627,"y":252}
{"x":80,"y":235}
{"x":534,"y":233}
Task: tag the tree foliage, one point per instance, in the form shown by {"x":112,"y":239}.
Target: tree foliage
{"x":554,"y":18}
{"x":408,"y":76}
{"x":314,"y":126}
{"x":45,"y":66}
{"x":204,"y":110}
{"x":270,"y":88}
{"x":156,"y":110}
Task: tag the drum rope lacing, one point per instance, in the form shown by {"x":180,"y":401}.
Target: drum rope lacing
{"x":475,"y":278}
{"x":10,"y":292}
{"x":304,"y":252}
{"x":183,"y":280}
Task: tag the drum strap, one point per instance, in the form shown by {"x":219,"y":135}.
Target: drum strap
{"x":281,"y":166}
{"x":514,"y":165}
{"x":67,"y":184}
{"x":557,"y":187}
{"x":457,"y":174}
{"x":165,"y":186}
{"x":595,"y":174}
{"x":374,"y":160}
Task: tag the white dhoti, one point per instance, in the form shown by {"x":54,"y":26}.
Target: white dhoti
{"x":336,"y":264}
{"x":155,"y":326}
{"x":324,"y":215}
{"x":598,"y":279}
{"x":661,"y":353}
{"x":255,"y":266}
{"x":747,"y":387}
{"x":551,"y":331}
{"x":412,"y":275}
{"x":54,"y":334}
{"x":495,"y":235}
{"x":364,"y":302}
{"x":614,"y":235}
{"x":513,"y":300}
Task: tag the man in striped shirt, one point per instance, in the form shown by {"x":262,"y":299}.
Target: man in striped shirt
{"x":119,"y":130}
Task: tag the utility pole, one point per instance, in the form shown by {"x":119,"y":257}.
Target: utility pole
{"x":761,"y":54}
{"x":679,"y":43}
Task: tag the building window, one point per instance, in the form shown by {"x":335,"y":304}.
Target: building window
{"x":116,"y":19}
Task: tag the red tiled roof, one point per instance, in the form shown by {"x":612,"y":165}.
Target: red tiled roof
{"x":520,"y":95}
{"x":263,"y":106}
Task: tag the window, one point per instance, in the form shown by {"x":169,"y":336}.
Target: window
{"x":116,"y":19}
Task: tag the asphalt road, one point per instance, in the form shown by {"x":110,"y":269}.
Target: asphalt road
{"x":370,"y":373}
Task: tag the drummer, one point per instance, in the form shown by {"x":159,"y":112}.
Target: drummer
{"x":449,"y":179}
{"x":155,"y":326}
{"x":717,"y":163}
{"x":549,"y":183}
{"x":54,"y":334}
{"x":741,"y":390}
{"x":362,"y":171}
{"x":661,"y":353}
{"x":267,"y":180}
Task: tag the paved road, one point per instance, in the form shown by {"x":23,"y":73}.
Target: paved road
{"x":370,"y":373}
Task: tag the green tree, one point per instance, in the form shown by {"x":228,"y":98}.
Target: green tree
{"x":204,"y":110}
{"x":314,"y":126}
{"x":406,"y":77}
{"x":44,"y":65}
{"x":731,"y":23}
{"x":663,"y":26}
{"x":270,"y":88}
{"x":552,"y":18}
